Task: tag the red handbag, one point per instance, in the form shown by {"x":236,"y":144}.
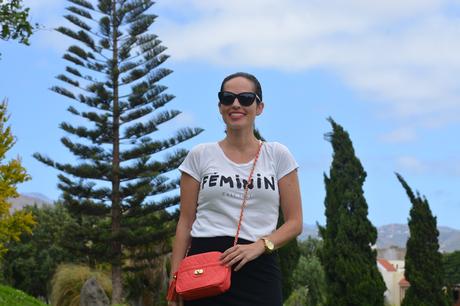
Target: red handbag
{"x":203,"y":275}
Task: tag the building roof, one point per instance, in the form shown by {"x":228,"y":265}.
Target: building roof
{"x":387,"y":265}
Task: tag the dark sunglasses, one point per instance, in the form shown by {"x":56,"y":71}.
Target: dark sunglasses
{"x":245,"y":98}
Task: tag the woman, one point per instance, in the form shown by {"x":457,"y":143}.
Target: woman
{"x":211,"y":192}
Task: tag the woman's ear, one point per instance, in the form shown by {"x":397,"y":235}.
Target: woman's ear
{"x":218,"y":106}
{"x":260,"y":108}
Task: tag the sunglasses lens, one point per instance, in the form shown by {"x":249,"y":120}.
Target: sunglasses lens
{"x":246,"y":98}
{"x":226,"y":98}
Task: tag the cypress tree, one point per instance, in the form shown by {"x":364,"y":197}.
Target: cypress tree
{"x":117,"y":188}
{"x":423,"y":262}
{"x":349,"y":262}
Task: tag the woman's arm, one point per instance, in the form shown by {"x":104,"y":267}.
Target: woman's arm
{"x":291,"y":207}
{"x":189,"y":188}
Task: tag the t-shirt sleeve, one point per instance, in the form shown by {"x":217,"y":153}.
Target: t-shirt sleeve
{"x":191,"y":163}
{"x":285,"y":161}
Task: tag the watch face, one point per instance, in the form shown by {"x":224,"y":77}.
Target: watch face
{"x":269,"y":245}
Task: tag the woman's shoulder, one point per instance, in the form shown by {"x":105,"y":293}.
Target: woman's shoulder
{"x":203,"y":148}
{"x":275,"y":147}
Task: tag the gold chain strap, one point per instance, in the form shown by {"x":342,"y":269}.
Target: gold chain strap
{"x":246,"y":193}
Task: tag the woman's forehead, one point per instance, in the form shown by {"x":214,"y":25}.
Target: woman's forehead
{"x":239,"y":84}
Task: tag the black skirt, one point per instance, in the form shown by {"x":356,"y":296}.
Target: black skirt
{"x":258,"y":282}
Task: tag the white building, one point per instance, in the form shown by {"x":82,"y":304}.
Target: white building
{"x":393,"y":275}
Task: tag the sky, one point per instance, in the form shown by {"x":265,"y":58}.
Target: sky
{"x":386,"y":70}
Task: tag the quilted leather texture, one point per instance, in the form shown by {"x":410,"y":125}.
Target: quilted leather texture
{"x":202,"y":275}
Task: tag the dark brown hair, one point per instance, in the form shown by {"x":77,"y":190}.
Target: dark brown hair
{"x":248,"y":76}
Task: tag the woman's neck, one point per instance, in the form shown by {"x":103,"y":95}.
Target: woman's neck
{"x":241,"y":140}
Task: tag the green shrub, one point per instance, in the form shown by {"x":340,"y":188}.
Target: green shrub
{"x":68,"y":281}
{"x":12,"y":297}
{"x":298,"y":297}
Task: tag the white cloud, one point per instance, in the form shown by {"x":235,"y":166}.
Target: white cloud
{"x":404,"y":54}
{"x":41,"y":5}
{"x":445,"y":167}
{"x":186,"y":119}
{"x":404,"y":134}
{"x":410,"y":163}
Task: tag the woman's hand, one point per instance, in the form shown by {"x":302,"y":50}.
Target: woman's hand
{"x":242,"y":253}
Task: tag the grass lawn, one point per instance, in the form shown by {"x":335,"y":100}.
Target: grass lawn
{"x":12,"y":297}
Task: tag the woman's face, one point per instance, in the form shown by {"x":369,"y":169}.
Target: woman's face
{"x":237,"y":116}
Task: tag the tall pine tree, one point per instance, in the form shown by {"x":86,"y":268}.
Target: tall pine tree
{"x":349,"y":262}
{"x":423,"y":262}
{"x":116,"y":188}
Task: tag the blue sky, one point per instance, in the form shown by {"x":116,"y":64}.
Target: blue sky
{"x":386,"y":70}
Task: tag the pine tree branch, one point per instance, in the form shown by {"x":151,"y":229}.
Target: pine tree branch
{"x":96,"y":102}
{"x":70,"y":81}
{"x":88,"y":207}
{"x":99,"y":135}
{"x":135,"y":71}
{"x":105,"y":6}
{"x":95,"y":171}
{"x":99,"y":119}
{"x":76,"y":21}
{"x":128,"y":65}
{"x":141,"y":129}
{"x":77,"y":73}
{"x":63,"y":91}
{"x":86,"y":152}
{"x":141,"y":24}
{"x":81,"y":12}
{"x":97,"y":66}
{"x":82,"y":54}
{"x":83,"y":3}
{"x":144,"y":93}
{"x":137,"y":238}
{"x":156,"y":206}
{"x":148,"y":54}
{"x":99,"y":89}
{"x":164,"y":187}
{"x":154,"y":168}
{"x":132,"y":10}
{"x":128,"y":42}
{"x":136,"y":114}
{"x":82,"y":190}
{"x":81,"y":36}
{"x":135,"y":193}
{"x":150,"y":148}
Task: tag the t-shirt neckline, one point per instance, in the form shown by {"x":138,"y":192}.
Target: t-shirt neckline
{"x":219,"y":148}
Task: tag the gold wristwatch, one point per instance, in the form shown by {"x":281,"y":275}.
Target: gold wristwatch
{"x":269,"y":246}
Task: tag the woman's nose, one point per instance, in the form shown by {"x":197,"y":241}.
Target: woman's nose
{"x":237,"y":104}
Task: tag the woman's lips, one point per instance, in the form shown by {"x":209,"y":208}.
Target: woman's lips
{"x":236,"y":115}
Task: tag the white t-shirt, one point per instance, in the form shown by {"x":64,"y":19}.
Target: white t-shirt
{"x":221,"y":191}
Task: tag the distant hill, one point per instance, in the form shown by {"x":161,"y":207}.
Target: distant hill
{"x":29,"y":199}
{"x":309,"y":230}
{"x":397,"y":235}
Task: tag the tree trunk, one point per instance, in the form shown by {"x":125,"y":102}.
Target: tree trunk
{"x":117,"y":290}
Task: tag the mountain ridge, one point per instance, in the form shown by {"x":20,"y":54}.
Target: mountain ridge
{"x":396,"y":235}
